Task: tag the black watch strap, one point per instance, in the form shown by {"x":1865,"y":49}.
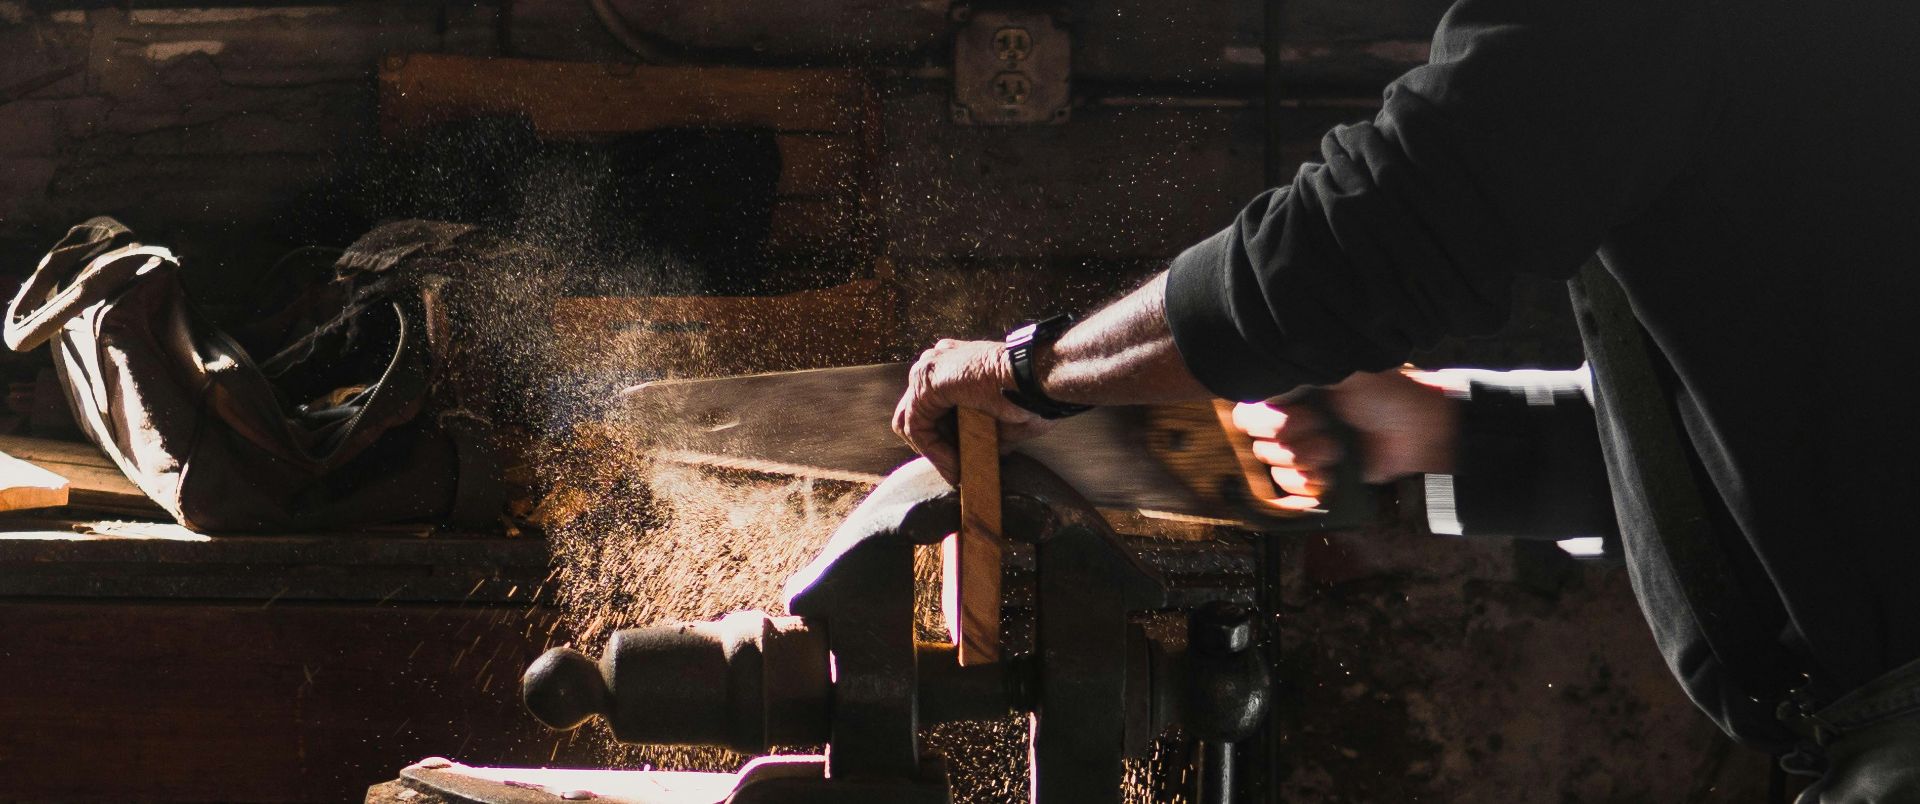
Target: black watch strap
{"x":1021,"y":344}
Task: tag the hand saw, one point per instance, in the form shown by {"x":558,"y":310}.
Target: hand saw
{"x":1182,"y":461}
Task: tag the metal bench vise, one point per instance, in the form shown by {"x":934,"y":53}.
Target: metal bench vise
{"x":846,"y":671}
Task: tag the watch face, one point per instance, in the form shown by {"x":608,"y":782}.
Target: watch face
{"x":1022,"y":335}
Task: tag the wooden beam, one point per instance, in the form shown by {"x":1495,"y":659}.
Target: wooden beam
{"x":698,"y":336}
{"x":95,"y":482}
{"x":1145,"y":41}
{"x":24,"y":485}
{"x":576,"y":99}
{"x":130,"y":700}
{"x":67,"y":558}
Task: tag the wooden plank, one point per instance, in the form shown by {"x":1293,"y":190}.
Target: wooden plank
{"x":141,"y":701}
{"x":696,"y":336}
{"x":24,"y":486}
{"x":459,"y":782}
{"x":78,"y":559}
{"x":79,"y":453}
{"x":562,"y":98}
{"x":843,"y":30}
{"x":1150,"y":42}
{"x":95,"y":482}
{"x":970,"y":582}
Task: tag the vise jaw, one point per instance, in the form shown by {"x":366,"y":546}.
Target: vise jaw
{"x":845,"y":670}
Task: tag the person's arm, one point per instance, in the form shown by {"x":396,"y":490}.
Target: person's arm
{"x":1536,"y":129}
{"x":1505,"y":453}
{"x":1123,"y":354}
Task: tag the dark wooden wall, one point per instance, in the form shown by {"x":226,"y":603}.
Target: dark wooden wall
{"x":144,"y":663}
{"x":117,"y":700}
{"x":1427,"y":669}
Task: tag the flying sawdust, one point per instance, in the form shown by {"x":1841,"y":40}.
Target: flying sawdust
{"x":636,"y":542}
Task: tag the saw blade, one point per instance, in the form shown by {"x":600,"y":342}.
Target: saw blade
{"x":836,"y":424}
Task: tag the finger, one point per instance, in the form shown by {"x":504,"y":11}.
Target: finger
{"x":1292,"y":481}
{"x":917,"y":377}
{"x":900,"y":416}
{"x":910,"y":400}
{"x":1272,"y":454}
{"x":1300,"y":421}
{"x":923,"y":434}
{"x":945,"y":460}
{"x":1317,"y":451}
{"x":921,"y":413}
{"x":1436,"y":379}
{"x":1298,"y":503}
{"x":1258,"y":420}
{"x":933,"y":419}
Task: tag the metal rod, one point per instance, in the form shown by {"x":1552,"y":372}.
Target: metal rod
{"x":949,"y":692}
{"x":1214,"y":773}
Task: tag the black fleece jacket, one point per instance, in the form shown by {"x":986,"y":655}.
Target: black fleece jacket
{"x":1749,"y":172}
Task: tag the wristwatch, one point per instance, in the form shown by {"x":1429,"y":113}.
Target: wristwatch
{"x":1021,"y":345}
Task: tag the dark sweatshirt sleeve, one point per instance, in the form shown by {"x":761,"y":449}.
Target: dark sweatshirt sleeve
{"x":1528,"y":462}
{"x":1536,"y":128}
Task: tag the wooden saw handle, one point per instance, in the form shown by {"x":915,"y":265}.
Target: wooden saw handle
{"x":1198,"y":443}
{"x":970,"y":572}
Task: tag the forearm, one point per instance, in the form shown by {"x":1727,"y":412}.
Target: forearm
{"x":1123,"y":354}
{"x":1537,"y":129}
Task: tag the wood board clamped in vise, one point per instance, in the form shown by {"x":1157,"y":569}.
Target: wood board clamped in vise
{"x":971,"y":557}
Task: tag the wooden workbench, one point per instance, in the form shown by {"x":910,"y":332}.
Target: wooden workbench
{"x":144,"y":662}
